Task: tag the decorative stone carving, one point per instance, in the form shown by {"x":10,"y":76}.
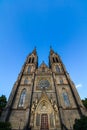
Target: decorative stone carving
{"x":43,"y":92}
{"x":51,"y":99}
{"x":37,"y":119}
{"x":36,"y":101}
{"x":32,"y":121}
{"x":52,"y":120}
{"x":55,"y":106}
{"x":33,"y":107}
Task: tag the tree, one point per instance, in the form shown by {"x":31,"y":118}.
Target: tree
{"x":85,"y":102}
{"x":80,"y":124}
{"x":3,"y":102}
{"x":4,"y":125}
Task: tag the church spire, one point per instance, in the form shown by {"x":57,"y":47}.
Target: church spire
{"x":43,"y":98}
{"x":34,"y":51}
{"x":51,"y":50}
{"x":53,"y":57}
{"x":33,"y":58}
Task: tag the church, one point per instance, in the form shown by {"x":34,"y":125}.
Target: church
{"x":43,"y":97}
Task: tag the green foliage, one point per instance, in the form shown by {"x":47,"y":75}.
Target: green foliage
{"x":80,"y":124}
{"x":85,"y":102}
{"x":3,"y":102}
{"x":5,"y":126}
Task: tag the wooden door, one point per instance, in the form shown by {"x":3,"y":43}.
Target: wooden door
{"x":44,"y":122}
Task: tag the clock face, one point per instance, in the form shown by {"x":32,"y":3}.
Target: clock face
{"x":44,"y":84}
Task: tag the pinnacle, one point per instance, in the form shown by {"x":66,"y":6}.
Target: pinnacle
{"x":34,"y":51}
{"x":51,"y":50}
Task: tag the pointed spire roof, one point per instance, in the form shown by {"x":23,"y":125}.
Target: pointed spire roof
{"x":32,"y":54}
{"x":51,"y":50}
{"x":34,"y":51}
{"x":43,"y":65}
{"x":43,"y":68}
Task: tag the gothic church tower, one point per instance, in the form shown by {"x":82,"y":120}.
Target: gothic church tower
{"x":43,"y":98}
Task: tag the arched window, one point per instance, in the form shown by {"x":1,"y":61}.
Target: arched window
{"x":26,"y":81}
{"x":33,"y":60}
{"x":61,"y":81}
{"x":43,"y":69}
{"x":53,"y":59}
{"x":66,"y":99}
{"x":57,"y":69}
{"x":56,"y":59}
{"x":29,"y":69}
{"x":29,"y":60}
{"x":22,"y":98}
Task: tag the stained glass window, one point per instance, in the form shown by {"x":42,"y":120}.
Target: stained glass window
{"x":22,"y":98}
{"x":44,"y":84}
{"x":66,"y":99}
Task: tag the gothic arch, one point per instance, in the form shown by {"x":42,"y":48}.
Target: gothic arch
{"x":65,"y":97}
{"x":61,"y":80}
{"x":29,"y":69}
{"x":22,"y":98}
{"x":44,"y":107}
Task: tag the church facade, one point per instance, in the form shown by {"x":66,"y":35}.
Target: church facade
{"x":43,"y":98}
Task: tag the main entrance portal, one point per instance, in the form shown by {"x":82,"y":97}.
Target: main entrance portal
{"x":44,"y":122}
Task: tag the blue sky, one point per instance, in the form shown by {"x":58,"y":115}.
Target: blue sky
{"x":25,"y":24}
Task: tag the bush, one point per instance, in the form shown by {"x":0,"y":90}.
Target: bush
{"x":5,"y":126}
{"x":80,"y":124}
